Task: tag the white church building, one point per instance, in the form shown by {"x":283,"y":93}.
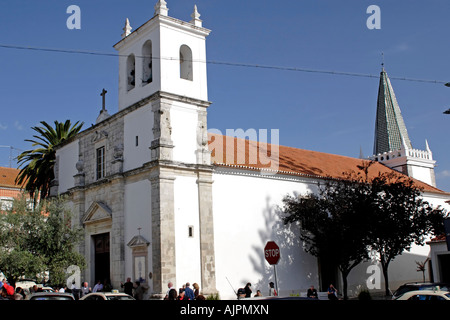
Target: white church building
{"x":162,"y":200}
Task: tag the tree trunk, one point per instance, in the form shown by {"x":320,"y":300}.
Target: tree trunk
{"x":384,"y":266}
{"x":345,"y":284}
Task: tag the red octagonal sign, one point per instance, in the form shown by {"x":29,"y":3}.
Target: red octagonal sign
{"x":272,"y":252}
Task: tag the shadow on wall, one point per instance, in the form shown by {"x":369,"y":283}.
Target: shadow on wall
{"x":296,"y":270}
{"x":401,"y":270}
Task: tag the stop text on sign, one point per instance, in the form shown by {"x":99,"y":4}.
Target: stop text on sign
{"x":272,"y":253}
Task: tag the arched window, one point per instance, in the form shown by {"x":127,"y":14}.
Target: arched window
{"x":131,"y":72}
{"x":147,"y":72}
{"x":186,"y":63}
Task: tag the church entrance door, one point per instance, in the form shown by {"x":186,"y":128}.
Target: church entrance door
{"x":101,"y":262}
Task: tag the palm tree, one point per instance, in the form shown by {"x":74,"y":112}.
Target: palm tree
{"x":37,"y":173}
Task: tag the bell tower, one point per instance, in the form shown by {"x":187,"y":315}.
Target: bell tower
{"x":163,"y":101}
{"x":164,"y":54}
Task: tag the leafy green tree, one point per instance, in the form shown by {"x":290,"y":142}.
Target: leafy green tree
{"x":333,"y":226}
{"x":400,"y":218}
{"x":37,"y":239}
{"x":348,"y":218}
{"x":37,"y":173}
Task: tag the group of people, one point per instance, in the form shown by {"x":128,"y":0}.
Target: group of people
{"x":134,"y":289}
{"x":332,"y":293}
{"x":184,"y":293}
{"x":246,"y":292}
{"x":7,"y":292}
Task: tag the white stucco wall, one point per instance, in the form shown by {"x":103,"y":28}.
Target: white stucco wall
{"x":171,"y":41}
{"x":245,"y":218}
{"x":137,"y":124}
{"x":137,"y":208}
{"x":184,"y":120}
{"x":68,"y":157}
{"x":187,"y":249}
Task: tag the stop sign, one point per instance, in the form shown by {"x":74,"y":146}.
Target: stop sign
{"x":272,"y":252}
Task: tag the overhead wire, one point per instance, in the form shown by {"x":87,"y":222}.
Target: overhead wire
{"x":234,"y":64}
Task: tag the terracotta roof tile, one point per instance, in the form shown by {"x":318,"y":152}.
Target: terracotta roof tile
{"x":8,"y":177}
{"x":251,"y":155}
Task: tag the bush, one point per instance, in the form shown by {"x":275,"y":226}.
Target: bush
{"x":364,"y":295}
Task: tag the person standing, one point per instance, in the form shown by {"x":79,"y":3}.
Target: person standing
{"x":128,"y":287}
{"x":248,"y":290}
{"x":138,"y":291}
{"x":84,"y":289}
{"x":196,"y":290}
{"x":98,"y":287}
{"x":170,"y":286}
{"x":188,"y":292}
{"x":272,"y":291}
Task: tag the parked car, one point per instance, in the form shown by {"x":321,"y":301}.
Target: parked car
{"x":97,"y":296}
{"x":425,"y":295}
{"x":412,"y":286}
{"x":50,"y":296}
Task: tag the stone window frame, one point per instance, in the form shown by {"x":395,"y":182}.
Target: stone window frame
{"x":100,"y":166}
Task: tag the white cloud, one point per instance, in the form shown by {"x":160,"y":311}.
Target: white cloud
{"x":444,"y":174}
{"x":18,"y":126}
{"x":3,"y":127}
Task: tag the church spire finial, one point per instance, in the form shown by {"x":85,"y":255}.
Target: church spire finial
{"x":126,"y":29}
{"x":382,"y":61}
{"x":196,"y":17}
{"x":161,"y":8}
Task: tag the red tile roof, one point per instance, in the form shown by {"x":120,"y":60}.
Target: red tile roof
{"x":440,"y":238}
{"x":251,"y":155}
{"x":8,"y":177}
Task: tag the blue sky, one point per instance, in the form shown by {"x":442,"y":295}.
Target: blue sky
{"x":314,"y":111}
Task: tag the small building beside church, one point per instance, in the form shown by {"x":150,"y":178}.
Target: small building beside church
{"x":9,"y":190}
{"x":162,"y":200}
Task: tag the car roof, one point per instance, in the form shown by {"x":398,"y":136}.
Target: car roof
{"x":50,"y":294}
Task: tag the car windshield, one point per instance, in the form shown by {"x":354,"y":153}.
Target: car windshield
{"x":120,"y":297}
{"x":51,"y":298}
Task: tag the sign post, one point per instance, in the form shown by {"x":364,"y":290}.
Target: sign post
{"x":272,"y":255}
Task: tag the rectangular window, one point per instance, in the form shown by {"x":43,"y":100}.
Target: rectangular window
{"x":100,"y":163}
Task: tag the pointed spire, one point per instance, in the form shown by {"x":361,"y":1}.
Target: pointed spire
{"x":361,"y":154}
{"x":196,"y":17}
{"x":161,"y":8}
{"x":126,"y":29}
{"x":390,"y":129}
{"x":427,"y":146}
